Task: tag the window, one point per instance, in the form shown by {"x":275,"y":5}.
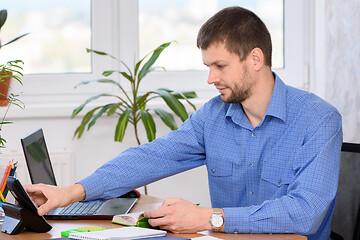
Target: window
{"x":114,"y":29}
{"x":289,"y":21}
{"x":60,"y":30}
{"x":88,"y":24}
{"x":163,"y":21}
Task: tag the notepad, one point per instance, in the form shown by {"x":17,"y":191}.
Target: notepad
{"x":82,"y":229}
{"x":119,"y":233}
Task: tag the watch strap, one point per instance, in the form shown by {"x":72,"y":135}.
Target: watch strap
{"x":216,"y":213}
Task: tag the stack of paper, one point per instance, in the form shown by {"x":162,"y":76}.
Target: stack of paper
{"x":119,"y":233}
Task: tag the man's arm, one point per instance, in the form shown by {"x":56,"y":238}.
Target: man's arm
{"x":48,"y":197}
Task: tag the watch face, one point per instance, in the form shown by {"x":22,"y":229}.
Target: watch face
{"x":217,"y":221}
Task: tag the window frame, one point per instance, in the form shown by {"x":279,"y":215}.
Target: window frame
{"x":295,"y":71}
{"x":115,"y":31}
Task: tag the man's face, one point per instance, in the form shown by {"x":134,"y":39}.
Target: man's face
{"x":229,"y":75}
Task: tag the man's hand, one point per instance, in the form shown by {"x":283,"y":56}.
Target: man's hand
{"x":47,"y":197}
{"x":180,"y":216}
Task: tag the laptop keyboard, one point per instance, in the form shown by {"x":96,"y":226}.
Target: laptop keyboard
{"x":80,"y":208}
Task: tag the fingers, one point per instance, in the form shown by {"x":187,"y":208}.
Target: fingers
{"x":171,"y":201}
{"x":45,"y":208}
{"x":180,"y":216}
{"x":34,"y":189}
{"x":44,"y":197}
{"x":35,"y":194}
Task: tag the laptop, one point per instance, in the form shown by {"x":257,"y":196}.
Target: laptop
{"x":41,"y":171}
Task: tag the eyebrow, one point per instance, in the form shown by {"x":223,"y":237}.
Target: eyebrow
{"x":218,"y":62}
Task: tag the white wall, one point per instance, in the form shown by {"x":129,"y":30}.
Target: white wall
{"x":342,"y":63}
{"x":96,"y":147}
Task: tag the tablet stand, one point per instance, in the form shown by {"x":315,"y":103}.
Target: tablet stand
{"x":17,"y":218}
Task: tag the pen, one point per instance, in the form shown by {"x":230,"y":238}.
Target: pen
{"x":2,"y":197}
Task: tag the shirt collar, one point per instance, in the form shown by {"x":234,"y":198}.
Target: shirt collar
{"x":277,"y":104}
{"x":276,"y":107}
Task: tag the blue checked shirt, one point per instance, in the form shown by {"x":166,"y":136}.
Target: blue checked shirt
{"x":279,"y":177}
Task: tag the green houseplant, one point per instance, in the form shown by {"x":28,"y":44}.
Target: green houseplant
{"x":15,"y":68}
{"x":9,"y":70}
{"x":132,"y":107}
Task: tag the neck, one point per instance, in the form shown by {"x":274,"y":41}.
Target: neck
{"x":255,"y":106}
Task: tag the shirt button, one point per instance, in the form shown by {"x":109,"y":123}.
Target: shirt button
{"x":251,"y":164}
{"x":280,"y":181}
{"x":253,"y":134}
{"x":251,"y":192}
{"x":213,"y":170}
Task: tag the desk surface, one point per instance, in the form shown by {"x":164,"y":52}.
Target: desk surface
{"x":144,"y":203}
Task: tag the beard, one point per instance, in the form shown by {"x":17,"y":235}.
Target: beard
{"x":241,"y":91}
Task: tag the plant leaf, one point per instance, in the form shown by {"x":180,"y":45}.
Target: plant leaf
{"x":175,"y":105}
{"x":181,"y":95}
{"x":124,"y":74}
{"x":113,"y":109}
{"x":101,"y":112}
{"x":106,"y":54}
{"x":185,"y":95}
{"x":149,"y":125}
{"x":3,"y":16}
{"x":141,"y":101}
{"x":104,"y":80}
{"x":145,"y":69}
{"x":80,"y":129}
{"x":121,"y":125}
{"x":167,"y":118}
{"x":15,"y":39}
{"x":98,"y":52}
{"x":77,"y":110}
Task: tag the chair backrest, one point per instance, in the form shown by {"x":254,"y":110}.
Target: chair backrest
{"x":346,"y":218}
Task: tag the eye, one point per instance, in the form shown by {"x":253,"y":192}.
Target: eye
{"x":220,"y":66}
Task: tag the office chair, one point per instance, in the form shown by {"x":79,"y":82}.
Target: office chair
{"x":345,"y":222}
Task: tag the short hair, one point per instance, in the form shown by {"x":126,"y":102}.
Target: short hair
{"x":239,"y":29}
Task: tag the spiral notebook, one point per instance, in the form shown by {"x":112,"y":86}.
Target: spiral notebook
{"x":119,"y":233}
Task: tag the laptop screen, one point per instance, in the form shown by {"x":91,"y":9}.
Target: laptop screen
{"x":37,"y":158}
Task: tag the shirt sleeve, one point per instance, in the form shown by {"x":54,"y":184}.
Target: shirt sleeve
{"x":177,"y":151}
{"x":311,"y":193}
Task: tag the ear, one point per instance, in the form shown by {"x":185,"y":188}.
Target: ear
{"x":257,"y":58}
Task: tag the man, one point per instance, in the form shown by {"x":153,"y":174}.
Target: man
{"x":272,"y":151}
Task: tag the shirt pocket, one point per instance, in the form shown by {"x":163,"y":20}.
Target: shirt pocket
{"x":220,"y":168}
{"x":275,"y":181}
{"x":276,"y":178}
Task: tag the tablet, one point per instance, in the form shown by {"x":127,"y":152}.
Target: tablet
{"x":20,"y":194}
{"x":23,"y":215}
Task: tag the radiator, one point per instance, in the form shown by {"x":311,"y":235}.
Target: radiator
{"x":62,"y":163}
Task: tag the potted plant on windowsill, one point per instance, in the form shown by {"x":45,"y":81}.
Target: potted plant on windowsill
{"x":12,"y":99}
{"x":131,"y":107}
{"x":9,"y":70}
{"x":6,"y":70}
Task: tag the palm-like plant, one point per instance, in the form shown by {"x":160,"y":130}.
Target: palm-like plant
{"x":132,"y":107}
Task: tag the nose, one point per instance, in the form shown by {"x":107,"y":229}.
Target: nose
{"x":213,"y":76}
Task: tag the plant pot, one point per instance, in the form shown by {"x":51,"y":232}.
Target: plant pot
{"x":4,"y":87}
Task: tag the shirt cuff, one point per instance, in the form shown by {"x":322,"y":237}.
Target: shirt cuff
{"x":237,"y":220}
{"x":93,"y":189}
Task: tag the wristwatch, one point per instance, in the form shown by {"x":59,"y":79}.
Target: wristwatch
{"x":217,"y":220}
